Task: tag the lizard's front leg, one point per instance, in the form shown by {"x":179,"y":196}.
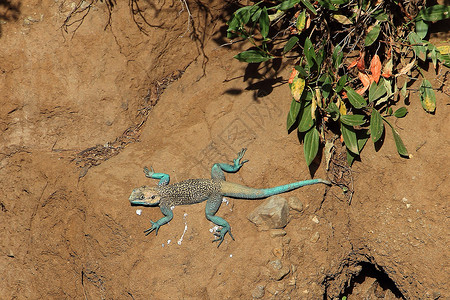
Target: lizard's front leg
{"x":217,"y":171}
{"x":168,"y":215}
{"x":164,"y":178}
{"x":212,"y":206}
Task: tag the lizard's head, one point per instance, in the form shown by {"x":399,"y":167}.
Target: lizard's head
{"x":145,"y":195}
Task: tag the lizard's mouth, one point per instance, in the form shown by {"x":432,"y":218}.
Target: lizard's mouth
{"x":135,"y":202}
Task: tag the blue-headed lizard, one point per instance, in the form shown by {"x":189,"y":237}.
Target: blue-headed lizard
{"x":191,"y":191}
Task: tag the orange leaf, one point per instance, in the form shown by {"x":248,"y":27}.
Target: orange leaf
{"x":375,"y":68}
{"x":360,"y":64}
{"x":365,"y":79}
{"x":293,"y":74}
{"x":361,"y":90}
{"x":352,"y":64}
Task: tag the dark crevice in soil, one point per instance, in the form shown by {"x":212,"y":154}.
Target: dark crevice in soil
{"x":380,"y":286}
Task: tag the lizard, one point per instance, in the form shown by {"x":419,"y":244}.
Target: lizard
{"x":192,"y":191}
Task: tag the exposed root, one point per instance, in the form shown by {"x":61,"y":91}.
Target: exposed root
{"x":94,"y":156}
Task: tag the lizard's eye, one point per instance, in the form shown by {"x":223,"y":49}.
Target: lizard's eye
{"x":153,"y":196}
{"x":142,"y":197}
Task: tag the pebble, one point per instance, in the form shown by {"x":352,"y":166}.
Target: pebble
{"x":315,"y":237}
{"x":277,"y":270}
{"x":277,"y":232}
{"x":278,"y":252}
{"x":275,"y":288}
{"x":258,"y":292}
{"x":315,"y":219}
{"x":295,"y":203}
{"x":292,"y":281}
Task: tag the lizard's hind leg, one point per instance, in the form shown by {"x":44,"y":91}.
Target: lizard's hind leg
{"x":217,"y":171}
{"x":212,"y":206}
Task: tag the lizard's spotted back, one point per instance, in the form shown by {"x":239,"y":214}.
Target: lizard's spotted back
{"x":189,"y":191}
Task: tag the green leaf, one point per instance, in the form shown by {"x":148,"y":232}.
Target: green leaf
{"x":421,"y":28}
{"x":349,"y":134}
{"x":233,"y":25}
{"x":376,"y":91}
{"x":372,"y":36}
{"x":341,"y":82}
{"x":292,"y":115}
{"x":306,"y":121}
{"x":243,"y":14}
{"x":253,"y":56}
{"x":337,"y":56}
{"x":326,"y":87}
{"x":356,"y":100}
{"x":444,"y":58}
{"x":362,"y":136}
{"x":309,"y":6}
{"x":255,"y":13}
{"x":353,"y":120}
{"x":389,"y":93}
{"x":301,"y":71}
{"x":434,"y":13}
{"x":427,"y":96}
{"x":376,"y":125}
{"x":419,"y":49}
{"x":333,"y":110}
{"x":290,"y":44}
{"x":264,"y":22}
{"x":433,"y":54}
{"x":380,"y":15}
{"x":288,"y":4}
{"x":401,"y":112}
{"x":401,"y":149}
{"x":327,"y":4}
{"x":320,"y":55}
{"x":309,"y":52}
{"x":311,"y":145}
{"x":301,"y":21}
{"x":338,"y":2}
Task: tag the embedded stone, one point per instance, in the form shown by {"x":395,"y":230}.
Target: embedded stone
{"x":271,"y":214}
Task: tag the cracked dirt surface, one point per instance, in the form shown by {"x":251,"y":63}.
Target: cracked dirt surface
{"x":69,"y":232}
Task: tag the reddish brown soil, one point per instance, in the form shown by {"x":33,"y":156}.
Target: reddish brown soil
{"x":70,"y":232}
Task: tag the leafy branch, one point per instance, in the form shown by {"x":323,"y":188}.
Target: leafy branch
{"x":349,"y":58}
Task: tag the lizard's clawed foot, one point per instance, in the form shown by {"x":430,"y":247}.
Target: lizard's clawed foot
{"x":221,"y":235}
{"x":149,"y":173}
{"x":237,"y":161}
{"x":155,"y":227}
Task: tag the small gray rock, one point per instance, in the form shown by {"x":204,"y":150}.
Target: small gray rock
{"x":295,"y":203}
{"x":277,"y":270}
{"x":271,"y":214}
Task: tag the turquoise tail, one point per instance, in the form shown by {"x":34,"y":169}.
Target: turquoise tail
{"x":234,"y":190}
